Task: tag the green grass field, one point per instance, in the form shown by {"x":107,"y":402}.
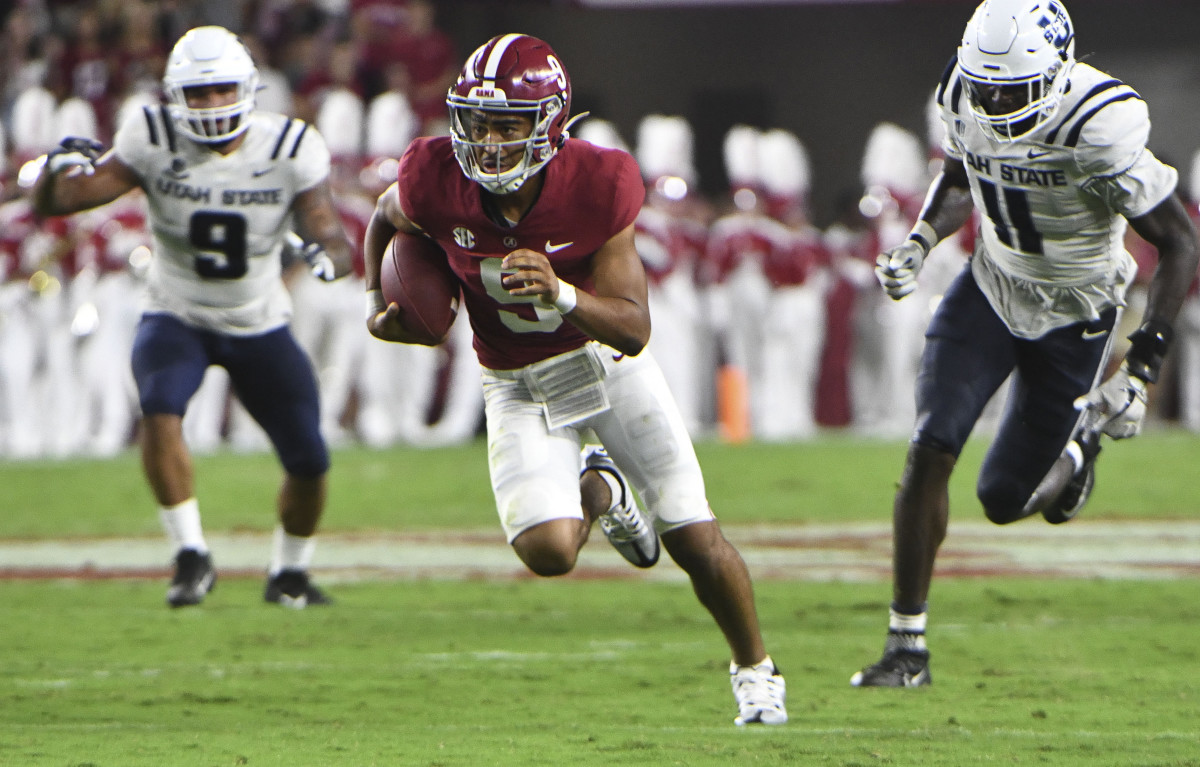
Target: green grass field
{"x":582,"y":671}
{"x":832,"y":480}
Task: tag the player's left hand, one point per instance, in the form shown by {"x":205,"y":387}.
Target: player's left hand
{"x":528,"y":273}
{"x":1121,"y":403}
{"x":314,"y":255}
{"x":75,"y":152}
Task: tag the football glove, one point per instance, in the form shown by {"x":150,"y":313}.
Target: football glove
{"x":314,"y":255}
{"x":897,"y":268}
{"x":75,"y":152}
{"x":1120,"y":402}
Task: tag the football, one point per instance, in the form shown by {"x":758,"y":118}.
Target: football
{"x":416,"y":275}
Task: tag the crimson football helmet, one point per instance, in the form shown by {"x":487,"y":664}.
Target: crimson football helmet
{"x":512,"y":74}
{"x":210,"y":56}
{"x":1025,"y":45}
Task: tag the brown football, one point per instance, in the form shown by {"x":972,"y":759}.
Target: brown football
{"x":416,"y":275}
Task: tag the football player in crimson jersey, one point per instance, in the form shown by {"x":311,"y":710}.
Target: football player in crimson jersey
{"x":225,"y":184}
{"x":539,"y":229}
{"x":1053,"y":153}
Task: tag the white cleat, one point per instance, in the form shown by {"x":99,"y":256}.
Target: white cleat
{"x":760,"y":693}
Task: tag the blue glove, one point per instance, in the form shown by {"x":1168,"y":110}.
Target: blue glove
{"x":75,"y":152}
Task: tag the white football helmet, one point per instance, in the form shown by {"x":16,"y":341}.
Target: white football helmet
{"x":1022,"y":44}
{"x":210,"y":56}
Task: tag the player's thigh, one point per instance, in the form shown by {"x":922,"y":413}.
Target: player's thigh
{"x":274,"y":380}
{"x":534,"y":471}
{"x":1052,"y":372}
{"x":169,"y":359}
{"x":968,"y":354}
{"x":646,"y":437}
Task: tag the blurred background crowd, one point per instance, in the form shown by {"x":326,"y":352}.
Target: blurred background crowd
{"x":767,"y":318}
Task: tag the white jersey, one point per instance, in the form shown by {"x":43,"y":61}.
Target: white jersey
{"x":1055,"y":202}
{"x":219,"y":221}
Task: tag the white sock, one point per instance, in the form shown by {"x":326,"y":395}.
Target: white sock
{"x":182,"y":525}
{"x":1076,"y":454}
{"x":907,"y":624}
{"x":766,"y":661}
{"x":614,"y":489}
{"x":291,"y":552}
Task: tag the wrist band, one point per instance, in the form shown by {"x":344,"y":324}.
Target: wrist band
{"x":1148,"y":348}
{"x":924,"y":234}
{"x":567,"y":298}
{"x":375,"y":303}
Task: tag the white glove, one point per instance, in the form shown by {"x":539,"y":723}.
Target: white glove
{"x":74,"y":152}
{"x":1121,"y":403}
{"x":314,"y":255}
{"x":897,"y":268}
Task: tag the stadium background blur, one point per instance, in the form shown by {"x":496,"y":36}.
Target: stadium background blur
{"x":850,"y":80}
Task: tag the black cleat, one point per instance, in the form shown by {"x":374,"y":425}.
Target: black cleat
{"x":292,"y":588}
{"x":194,"y":578}
{"x":905,"y":663}
{"x":1077,"y":491}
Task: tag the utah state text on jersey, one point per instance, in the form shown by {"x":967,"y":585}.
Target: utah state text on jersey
{"x":1015,"y":173}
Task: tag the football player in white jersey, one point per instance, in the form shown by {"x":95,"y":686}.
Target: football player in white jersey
{"x":225,"y":184}
{"x":1053,"y":154}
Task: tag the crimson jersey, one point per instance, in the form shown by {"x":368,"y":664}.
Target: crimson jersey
{"x":589,"y":194}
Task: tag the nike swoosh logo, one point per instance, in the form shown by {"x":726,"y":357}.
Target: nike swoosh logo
{"x":1033,"y":154}
{"x":1090,"y":334}
{"x":555,"y":248}
{"x":264,"y":172}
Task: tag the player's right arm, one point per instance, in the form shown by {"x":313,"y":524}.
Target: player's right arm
{"x":383,"y":320}
{"x":948,"y":202}
{"x":947,"y":207}
{"x":71,"y":190}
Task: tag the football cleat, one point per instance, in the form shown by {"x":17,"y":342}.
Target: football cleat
{"x":293,"y":588}
{"x":626,"y":528}
{"x":905,"y":663}
{"x":194,"y":578}
{"x":1077,"y":491}
{"x":760,"y":693}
